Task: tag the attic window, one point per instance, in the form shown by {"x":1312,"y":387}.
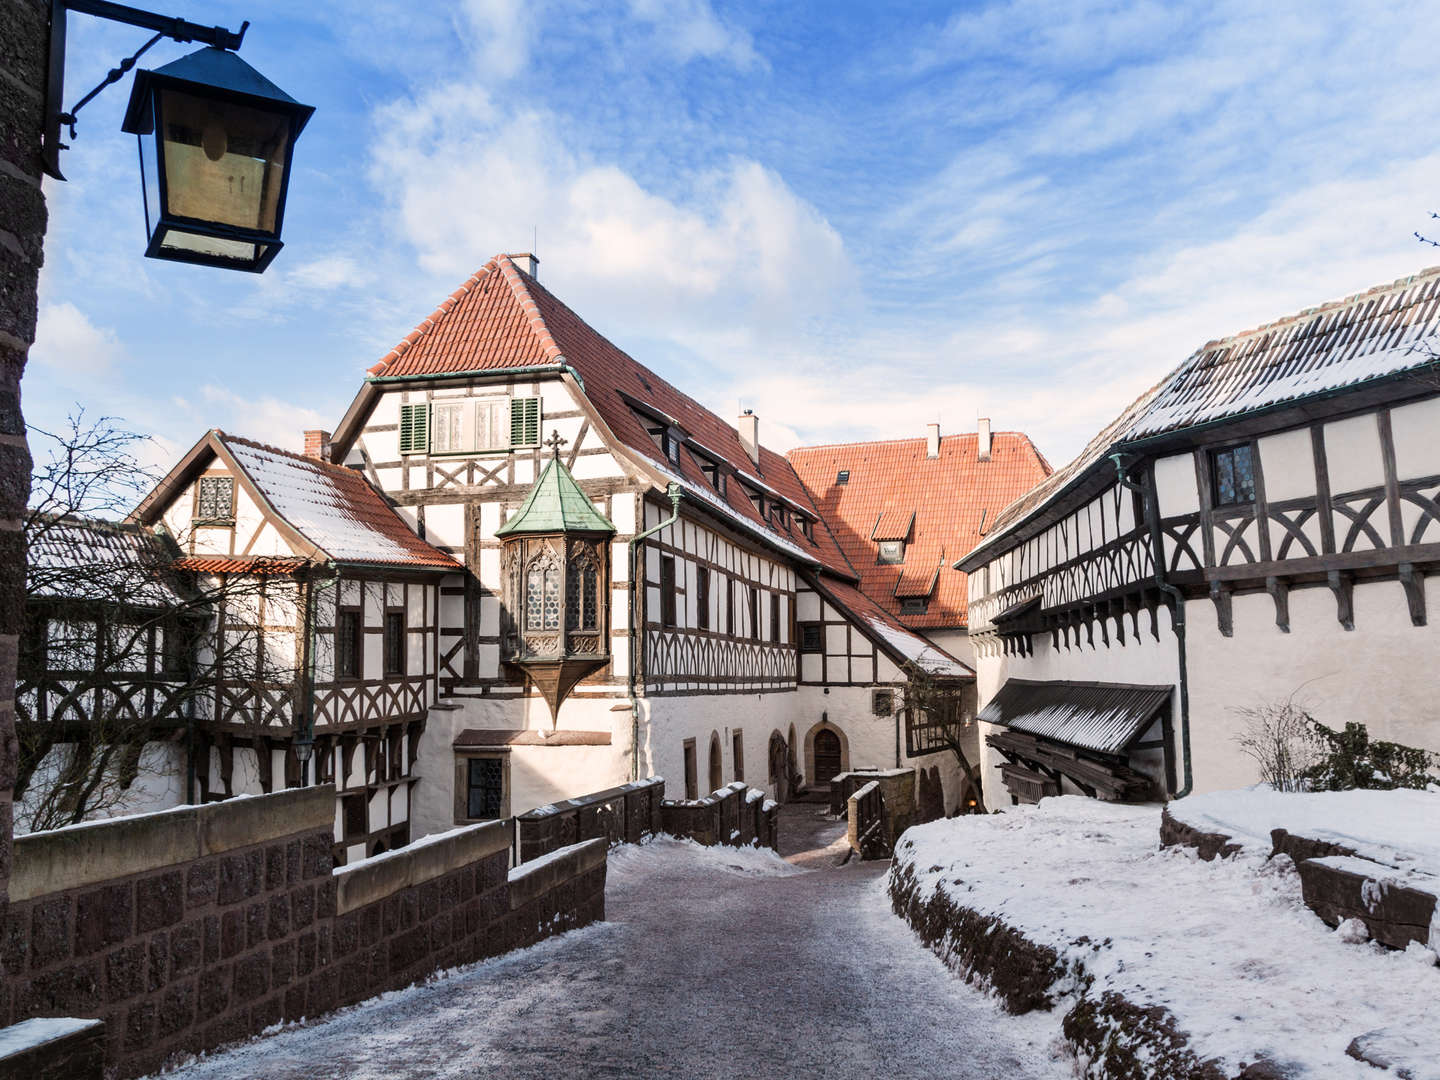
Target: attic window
{"x":892,"y":551}
{"x":807,"y":527}
{"x":757,"y":500}
{"x":712,"y":472}
{"x":843,"y":476}
{"x":914,"y":605}
{"x":664,"y":437}
{"x":215,"y":499}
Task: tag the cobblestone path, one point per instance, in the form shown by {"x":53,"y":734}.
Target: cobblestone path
{"x":712,"y":964}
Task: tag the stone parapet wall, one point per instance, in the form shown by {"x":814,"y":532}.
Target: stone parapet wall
{"x":224,"y":912}
{"x":232,"y":918}
{"x":735,"y":815}
{"x":621,"y":815}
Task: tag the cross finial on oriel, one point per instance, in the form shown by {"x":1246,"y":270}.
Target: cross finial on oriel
{"x":555,"y":442}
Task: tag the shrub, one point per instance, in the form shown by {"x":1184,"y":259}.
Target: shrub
{"x":1350,"y":759}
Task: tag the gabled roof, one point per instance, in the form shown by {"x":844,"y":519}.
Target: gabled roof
{"x":325,"y":511}
{"x":555,"y":504}
{"x":895,"y":640}
{"x":954,"y":497}
{"x":88,"y":560}
{"x":1386,"y":331}
{"x":503,"y":319}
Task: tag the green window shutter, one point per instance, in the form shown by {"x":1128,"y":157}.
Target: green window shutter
{"x":414,"y":429}
{"x":525,"y":422}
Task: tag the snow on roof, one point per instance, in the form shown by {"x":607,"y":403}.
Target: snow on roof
{"x":77,"y":558}
{"x":907,"y":644}
{"x":332,"y":507}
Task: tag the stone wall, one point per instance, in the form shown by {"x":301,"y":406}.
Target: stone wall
{"x":23,"y":43}
{"x":620,"y":815}
{"x":735,"y":815}
{"x":198,"y":926}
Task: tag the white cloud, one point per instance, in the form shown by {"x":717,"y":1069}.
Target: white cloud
{"x":68,"y":343}
{"x":501,"y":34}
{"x":741,"y":249}
{"x":689,"y":29}
{"x":266,"y":419}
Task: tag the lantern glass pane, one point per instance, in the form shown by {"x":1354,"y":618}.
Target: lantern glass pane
{"x":224,"y":163}
{"x":177,"y":243}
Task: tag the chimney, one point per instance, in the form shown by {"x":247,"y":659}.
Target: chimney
{"x":749,"y":431}
{"x":932,"y":440}
{"x":317,"y":444}
{"x":982,"y":442}
{"x":528,"y":263}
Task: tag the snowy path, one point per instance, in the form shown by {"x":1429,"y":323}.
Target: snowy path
{"x":713,"y":963}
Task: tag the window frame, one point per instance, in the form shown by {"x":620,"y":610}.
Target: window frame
{"x":818,"y":628}
{"x":1215,"y":455}
{"x":753,"y":608}
{"x":668,"y":593}
{"x":196,"y":518}
{"x":885,"y":693}
{"x":737,"y":752}
{"x":692,"y":769}
{"x":702,"y":598}
{"x":399,"y":656}
{"x":357,"y":640}
{"x":465,"y":436}
{"x":898,"y":550}
{"x":775,"y":617}
{"x":491,"y":403}
{"x":910,"y":604}
{"x":463,"y":758}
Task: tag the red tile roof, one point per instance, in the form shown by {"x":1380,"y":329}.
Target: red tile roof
{"x":503,"y":318}
{"x":950,"y":495}
{"x":245,"y":564}
{"x":900,"y":642}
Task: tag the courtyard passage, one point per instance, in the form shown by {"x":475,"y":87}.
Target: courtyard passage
{"x":713,"y":963}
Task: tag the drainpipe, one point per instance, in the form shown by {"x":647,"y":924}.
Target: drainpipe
{"x":675,"y":493}
{"x":305,"y":734}
{"x":1152,"y":520}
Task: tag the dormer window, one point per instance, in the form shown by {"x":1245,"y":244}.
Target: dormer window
{"x":892,"y":551}
{"x":712,"y":472}
{"x":666,"y":439}
{"x":914,"y":605}
{"x":757,"y":500}
{"x":807,"y":526}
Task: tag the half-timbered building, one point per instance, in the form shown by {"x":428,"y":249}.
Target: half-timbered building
{"x":323,"y":645}
{"x":1263,"y":524}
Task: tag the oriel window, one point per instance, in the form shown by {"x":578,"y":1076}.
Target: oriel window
{"x":1234,"y":475}
{"x":542,"y":595}
{"x":582,"y":596}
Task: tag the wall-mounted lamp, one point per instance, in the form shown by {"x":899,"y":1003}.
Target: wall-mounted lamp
{"x":224,"y":135}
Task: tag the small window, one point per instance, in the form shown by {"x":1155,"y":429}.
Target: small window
{"x":807,"y":527}
{"x":484,"y":787}
{"x":174,"y":651}
{"x":737,"y":744}
{"x":447,"y":434}
{"x":215,"y":499}
{"x":356,"y":823}
{"x":394,"y":643}
{"x":843,"y":476}
{"x":672,"y":450}
{"x":1234,"y":473}
{"x":347,"y":645}
{"x":754,"y":613}
{"x":492,"y":424}
{"x":892,"y":551}
{"x":712,"y":472}
{"x":914,"y":605}
{"x":525,"y":422}
{"x":730,"y":608}
{"x":882,"y":702}
{"x":394,"y":755}
{"x":667,"y":591}
{"x":414,"y":429}
{"x":775,"y":617}
{"x":812,"y":637}
{"x":702,"y":597}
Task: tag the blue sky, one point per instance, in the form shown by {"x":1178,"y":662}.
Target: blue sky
{"x":852,"y":218}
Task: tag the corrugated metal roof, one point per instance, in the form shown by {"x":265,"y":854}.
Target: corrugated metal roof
{"x":1105,"y":717}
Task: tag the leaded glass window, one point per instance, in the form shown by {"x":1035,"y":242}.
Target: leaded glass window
{"x":484,"y":787}
{"x":215,"y":499}
{"x":582,"y":610}
{"x":542,"y":596}
{"x":1234,"y":475}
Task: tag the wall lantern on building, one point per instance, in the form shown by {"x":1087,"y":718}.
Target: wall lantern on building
{"x":556,"y":560}
{"x":223,"y":139}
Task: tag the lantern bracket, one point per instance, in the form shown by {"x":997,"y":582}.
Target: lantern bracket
{"x":165,"y":26}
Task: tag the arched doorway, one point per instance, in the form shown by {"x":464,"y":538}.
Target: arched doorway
{"x":717,"y":771}
{"x":827,"y":756}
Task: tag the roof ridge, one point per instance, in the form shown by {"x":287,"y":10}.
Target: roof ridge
{"x":305,"y":459}
{"x":902,"y":439}
{"x":429,"y":322}
{"x":520,"y":286}
{"x":1398,"y":285}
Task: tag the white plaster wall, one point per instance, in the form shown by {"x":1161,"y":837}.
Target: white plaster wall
{"x":956,"y":642}
{"x":1416,"y":431}
{"x":1287,"y":462}
{"x":1382,"y":673}
{"x":1175,"y":490}
{"x":1352,"y":454}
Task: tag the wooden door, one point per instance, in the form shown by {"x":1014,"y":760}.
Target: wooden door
{"x":827,"y":756}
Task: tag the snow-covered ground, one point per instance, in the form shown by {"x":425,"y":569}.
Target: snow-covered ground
{"x":1227,"y":946}
{"x":714,"y":963}
{"x":1397,"y":828}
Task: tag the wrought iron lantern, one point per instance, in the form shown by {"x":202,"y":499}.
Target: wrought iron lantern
{"x":224,"y":138}
{"x":224,"y":135}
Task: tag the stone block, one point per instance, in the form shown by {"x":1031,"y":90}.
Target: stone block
{"x":270,"y":1011}
{"x":74,"y":858}
{"x":159,"y":901}
{"x":177,"y":1009}
{"x":45,"y":1050}
{"x":140,"y":1025}
{"x":201,"y":882}
{"x":214,"y":996}
{"x":293,"y":863}
{"x":279,"y":917}
{"x":212,"y":939}
{"x":232,"y":933}
{"x":257,"y":924}
{"x":64,"y":991}
{"x":103,"y":917}
{"x":158,"y":967}
{"x":1395,"y":909}
{"x":295,"y":1003}
{"x":529,"y":881}
{"x":187,"y":948}
{"x":127,"y":972}
{"x":302,"y":907}
{"x":317,"y":856}
{"x":275,"y":866}
{"x":282,"y":964}
{"x":252,"y":977}
{"x":239,"y":878}
{"x":49,"y":932}
{"x":231,"y":1027}
{"x":15,"y":939}
{"x":241,"y":823}
{"x":305,"y":954}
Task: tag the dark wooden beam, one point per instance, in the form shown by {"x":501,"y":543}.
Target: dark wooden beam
{"x":1343,"y":586}
{"x":1220,"y":595}
{"x":1413,"y":582}
{"x":1280,"y":593}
